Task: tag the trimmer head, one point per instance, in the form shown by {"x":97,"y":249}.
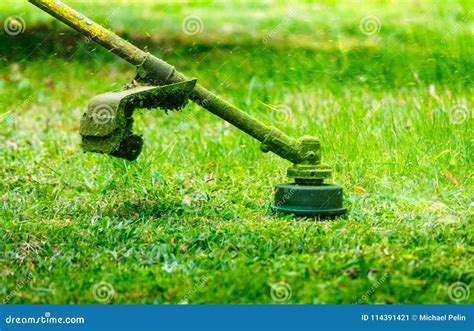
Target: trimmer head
{"x":324,"y":200}
{"x":308,"y":195}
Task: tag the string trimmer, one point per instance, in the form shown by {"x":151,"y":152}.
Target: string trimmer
{"x":106,"y":126}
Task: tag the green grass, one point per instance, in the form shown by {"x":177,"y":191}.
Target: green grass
{"x":189,"y":219}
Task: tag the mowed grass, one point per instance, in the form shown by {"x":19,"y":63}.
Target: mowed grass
{"x":188,"y":221}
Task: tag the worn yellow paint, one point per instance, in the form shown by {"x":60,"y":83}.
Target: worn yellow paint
{"x":92,"y":30}
{"x":72,"y":17}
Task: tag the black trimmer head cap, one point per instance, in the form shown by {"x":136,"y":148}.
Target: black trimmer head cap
{"x":324,"y":200}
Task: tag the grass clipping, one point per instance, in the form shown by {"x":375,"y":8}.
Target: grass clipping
{"x":106,"y":126}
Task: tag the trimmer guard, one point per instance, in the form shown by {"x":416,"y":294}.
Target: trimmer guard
{"x":106,"y":126}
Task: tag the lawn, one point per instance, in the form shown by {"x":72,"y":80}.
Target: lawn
{"x":188,"y":221}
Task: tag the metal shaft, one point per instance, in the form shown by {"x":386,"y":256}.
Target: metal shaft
{"x":271,"y":138}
